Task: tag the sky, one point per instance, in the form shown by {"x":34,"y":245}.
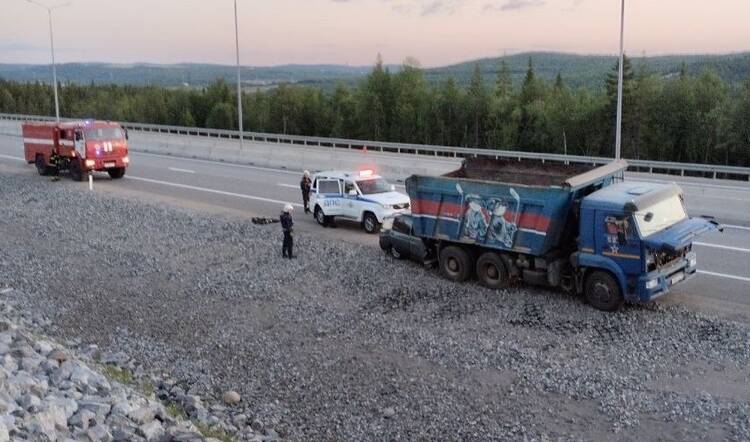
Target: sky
{"x":435,"y":32}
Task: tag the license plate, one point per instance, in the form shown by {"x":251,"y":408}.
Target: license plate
{"x":676,"y":278}
{"x":109,"y":164}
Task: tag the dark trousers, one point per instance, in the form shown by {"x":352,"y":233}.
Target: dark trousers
{"x":306,"y":200}
{"x":288,"y":246}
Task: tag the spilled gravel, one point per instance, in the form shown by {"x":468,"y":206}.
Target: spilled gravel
{"x":345,"y":343}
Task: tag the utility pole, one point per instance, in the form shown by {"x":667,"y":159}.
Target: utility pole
{"x":52,"y":48}
{"x":239,"y":80}
{"x":618,"y":137}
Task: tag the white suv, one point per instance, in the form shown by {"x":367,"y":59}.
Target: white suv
{"x":359,"y":196}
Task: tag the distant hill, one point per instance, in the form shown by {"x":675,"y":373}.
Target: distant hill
{"x":173,"y":75}
{"x":591,"y":70}
{"x":577,"y":70}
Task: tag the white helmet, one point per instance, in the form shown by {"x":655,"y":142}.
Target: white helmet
{"x":306,"y":173}
{"x":288,"y":208}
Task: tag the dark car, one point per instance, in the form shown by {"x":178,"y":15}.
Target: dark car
{"x":399,"y":241}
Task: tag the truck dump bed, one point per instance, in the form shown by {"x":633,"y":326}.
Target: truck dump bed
{"x":522,"y":206}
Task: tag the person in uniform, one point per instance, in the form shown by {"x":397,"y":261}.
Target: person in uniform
{"x":287,"y":225}
{"x":305,"y":185}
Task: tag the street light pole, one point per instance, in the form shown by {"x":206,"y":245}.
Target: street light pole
{"x":618,"y":137}
{"x":52,"y":48}
{"x":239,"y":81}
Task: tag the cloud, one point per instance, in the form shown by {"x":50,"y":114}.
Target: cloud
{"x":513,"y":5}
{"x":421,"y":7}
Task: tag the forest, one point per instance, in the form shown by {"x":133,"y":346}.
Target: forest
{"x":682,"y":117}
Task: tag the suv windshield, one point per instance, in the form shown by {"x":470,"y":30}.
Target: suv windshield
{"x":375,"y":185}
{"x":661,"y":215}
{"x":104,"y":133}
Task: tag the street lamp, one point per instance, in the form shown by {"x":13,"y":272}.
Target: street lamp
{"x":239,"y":81}
{"x":618,"y":137}
{"x":52,"y":47}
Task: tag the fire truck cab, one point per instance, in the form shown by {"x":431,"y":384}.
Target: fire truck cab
{"x":79,"y":147}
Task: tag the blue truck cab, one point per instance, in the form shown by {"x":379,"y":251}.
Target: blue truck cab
{"x":640,"y":233}
{"x":580,"y":228}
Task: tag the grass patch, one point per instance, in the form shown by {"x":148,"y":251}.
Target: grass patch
{"x":115,"y":373}
{"x":175,"y":410}
{"x":213,"y":431}
{"x":147,"y":388}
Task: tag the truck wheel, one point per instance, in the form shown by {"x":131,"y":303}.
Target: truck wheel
{"x":76,"y":171}
{"x":370,"y":223}
{"x":116,"y":173}
{"x":42,"y":167}
{"x":455,"y":264}
{"x":491,"y":271}
{"x":320,"y":217}
{"x":603,"y":292}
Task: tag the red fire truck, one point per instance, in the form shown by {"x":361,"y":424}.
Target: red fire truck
{"x":78,"y":146}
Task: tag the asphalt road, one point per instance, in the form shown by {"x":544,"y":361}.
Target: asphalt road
{"x":240,"y":190}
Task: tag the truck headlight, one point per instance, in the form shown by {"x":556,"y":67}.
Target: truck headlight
{"x":126,"y":160}
{"x":90,"y":163}
{"x":652,"y":284}
{"x":692,"y":262}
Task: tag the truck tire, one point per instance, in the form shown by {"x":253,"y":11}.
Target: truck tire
{"x":76,"y":171}
{"x":370,"y":223}
{"x":455,"y":264}
{"x":603,"y":292}
{"x":491,"y":271}
{"x":42,"y":167}
{"x":116,"y":173}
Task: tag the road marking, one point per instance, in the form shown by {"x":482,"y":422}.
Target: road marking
{"x":690,"y":184}
{"x":177,"y":169}
{"x":724,"y":275}
{"x":12,"y":158}
{"x":717,"y":246}
{"x":215,"y":163}
{"x":218,"y":192}
{"x":729,"y":226}
{"x":291,"y":186}
{"x":729,"y":198}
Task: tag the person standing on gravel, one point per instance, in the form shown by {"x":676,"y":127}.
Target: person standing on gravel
{"x":305,"y":185}
{"x":287,"y":225}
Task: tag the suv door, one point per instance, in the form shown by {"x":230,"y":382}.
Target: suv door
{"x":351,"y":202}
{"x":330,"y":197}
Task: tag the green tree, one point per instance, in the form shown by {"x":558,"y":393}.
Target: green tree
{"x":222,"y":116}
{"x":479,"y":103}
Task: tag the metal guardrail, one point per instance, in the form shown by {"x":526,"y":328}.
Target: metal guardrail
{"x":671,"y":168}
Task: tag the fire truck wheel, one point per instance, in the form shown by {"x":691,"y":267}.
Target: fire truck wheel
{"x":603,"y":292}
{"x":76,"y":171}
{"x":42,"y":167}
{"x":116,"y":173}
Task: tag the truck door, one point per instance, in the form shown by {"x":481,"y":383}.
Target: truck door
{"x":620,"y":242}
{"x":330,"y":197}
{"x":80,"y":143}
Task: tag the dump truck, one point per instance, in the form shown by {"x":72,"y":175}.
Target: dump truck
{"x":580,"y":228}
{"x":79,"y":147}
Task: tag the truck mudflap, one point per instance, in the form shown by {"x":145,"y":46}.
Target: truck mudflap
{"x":659,"y":282}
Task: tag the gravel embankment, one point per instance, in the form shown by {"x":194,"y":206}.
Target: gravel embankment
{"x":345,"y":343}
{"x":50,"y":393}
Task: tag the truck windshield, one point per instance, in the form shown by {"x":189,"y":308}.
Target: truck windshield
{"x":375,"y":185}
{"x":105,"y":133}
{"x":661,"y":215}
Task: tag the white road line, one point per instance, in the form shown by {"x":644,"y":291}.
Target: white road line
{"x":690,"y":184}
{"x":729,"y":226}
{"x":724,"y":275}
{"x":12,"y":158}
{"x":218,"y":192}
{"x":728,"y":198}
{"x":177,"y":169}
{"x":717,"y":246}
{"x":216,"y":163}
{"x":291,"y":186}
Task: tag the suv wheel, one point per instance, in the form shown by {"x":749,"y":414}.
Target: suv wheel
{"x":370,"y":223}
